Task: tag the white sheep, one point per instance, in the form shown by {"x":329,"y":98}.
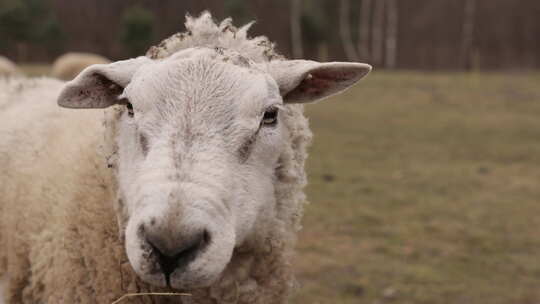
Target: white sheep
{"x":191,"y":180}
{"x":69,"y":65}
{"x":8,"y":68}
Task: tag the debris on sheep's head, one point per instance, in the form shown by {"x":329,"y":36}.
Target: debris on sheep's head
{"x":199,"y":136}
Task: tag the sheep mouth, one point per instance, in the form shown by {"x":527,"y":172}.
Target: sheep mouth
{"x":194,"y":256}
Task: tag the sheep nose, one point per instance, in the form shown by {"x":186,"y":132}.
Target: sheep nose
{"x":177,"y":254}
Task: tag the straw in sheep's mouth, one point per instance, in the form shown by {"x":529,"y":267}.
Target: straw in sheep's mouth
{"x":166,"y":294}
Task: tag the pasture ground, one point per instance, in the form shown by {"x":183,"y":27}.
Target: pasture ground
{"x":424,"y":188}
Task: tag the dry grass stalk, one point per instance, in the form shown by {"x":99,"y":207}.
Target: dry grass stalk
{"x":129,"y":295}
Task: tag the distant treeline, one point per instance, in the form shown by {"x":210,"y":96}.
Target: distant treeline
{"x":412,"y":34}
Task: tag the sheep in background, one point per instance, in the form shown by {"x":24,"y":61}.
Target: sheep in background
{"x":69,"y":65}
{"x":8,"y":68}
{"x":192,"y":181}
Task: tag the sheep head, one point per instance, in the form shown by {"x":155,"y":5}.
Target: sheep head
{"x":199,"y":141}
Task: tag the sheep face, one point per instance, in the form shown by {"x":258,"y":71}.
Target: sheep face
{"x":198,"y":146}
{"x":199,"y":139}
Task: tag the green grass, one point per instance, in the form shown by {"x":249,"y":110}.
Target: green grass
{"x":424,"y":188}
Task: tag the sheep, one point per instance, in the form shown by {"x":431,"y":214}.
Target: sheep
{"x":183,"y":173}
{"x":8,"y":68}
{"x":69,"y":65}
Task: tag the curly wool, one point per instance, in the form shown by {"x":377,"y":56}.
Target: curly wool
{"x":204,"y":32}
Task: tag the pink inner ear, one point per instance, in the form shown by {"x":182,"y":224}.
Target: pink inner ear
{"x":321,"y":83}
{"x":312,"y":86}
{"x":93,"y":91}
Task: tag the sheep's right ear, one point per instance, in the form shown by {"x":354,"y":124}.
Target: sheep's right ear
{"x":99,"y":85}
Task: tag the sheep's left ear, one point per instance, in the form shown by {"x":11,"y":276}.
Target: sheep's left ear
{"x":302,"y":81}
{"x":100,"y":85}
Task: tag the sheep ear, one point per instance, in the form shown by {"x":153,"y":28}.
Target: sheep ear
{"x":302,"y":81}
{"x":100,"y":85}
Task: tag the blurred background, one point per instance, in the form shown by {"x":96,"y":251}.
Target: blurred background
{"x":424,"y":178}
{"x":412,"y":34}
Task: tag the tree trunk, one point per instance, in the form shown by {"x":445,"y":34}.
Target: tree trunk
{"x":377,"y":39}
{"x":468,"y":33}
{"x":363,"y":31}
{"x":296,"y":29}
{"x":22,"y":51}
{"x":345,"y":30}
{"x":391,"y":33}
{"x":322,"y":51}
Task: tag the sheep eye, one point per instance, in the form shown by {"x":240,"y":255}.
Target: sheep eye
{"x":129,"y":107}
{"x":270,"y":117}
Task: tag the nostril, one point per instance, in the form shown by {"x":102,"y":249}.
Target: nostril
{"x":206,"y":237}
{"x":180,"y":255}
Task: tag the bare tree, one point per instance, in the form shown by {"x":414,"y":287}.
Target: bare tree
{"x":377,"y":40}
{"x":363,"y":31}
{"x":345,"y":30}
{"x":322,"y":51}
{"x":391,"y":33}
{"x":296,"y":29}
{"x":468,"y":33}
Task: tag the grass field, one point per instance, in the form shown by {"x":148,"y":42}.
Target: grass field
{"x":424,"y":188}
